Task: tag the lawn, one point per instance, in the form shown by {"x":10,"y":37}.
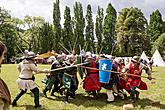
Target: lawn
{"x":152,"y":99}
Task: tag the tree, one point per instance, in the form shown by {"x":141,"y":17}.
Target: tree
{"x":5,"y":17}
{"x":155,"y":27}
{"x":46,"y":34}
{"x":160,"y":45}
{"x":163,"y":26}
{"x":67,"y":30}
{"x":7,"y":33}
{"x":79,"y":24}
{"x":57,"y":25}
{"x":31,"y":35}
{"x":99,"y":27}
{"x":20,"y":43}
{"x":109,"y":28}
{"x":130,"y":29}
{"x":89,"y":31}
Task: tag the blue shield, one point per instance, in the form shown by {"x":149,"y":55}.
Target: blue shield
{"x":104,"y":76}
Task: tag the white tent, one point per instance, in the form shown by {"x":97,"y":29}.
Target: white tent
{"x":157,"y":59}
{"x":144,"y":57}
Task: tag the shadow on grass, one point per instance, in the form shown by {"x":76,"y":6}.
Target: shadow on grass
{"x":148,"y":102}
{"x":100,"y":102}
{"x":54,"y":98}
{"x":31,"y":107}
{"x":32,"y":95}
{"x":87,"y":101}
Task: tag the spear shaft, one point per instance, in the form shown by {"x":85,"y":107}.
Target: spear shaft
{"x":115,"y":72}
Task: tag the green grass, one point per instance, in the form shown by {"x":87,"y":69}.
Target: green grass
{"x":152,"y":99}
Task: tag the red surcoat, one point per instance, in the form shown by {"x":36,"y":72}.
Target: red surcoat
{"x":91,"y":82}
{"x":133,"y":80}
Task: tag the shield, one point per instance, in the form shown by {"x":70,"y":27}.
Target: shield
{"x":66,"y":81}
{"x":104,"y":76}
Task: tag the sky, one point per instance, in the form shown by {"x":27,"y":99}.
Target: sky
{"x":44,"y":8}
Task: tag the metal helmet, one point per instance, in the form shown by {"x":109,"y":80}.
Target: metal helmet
{"x":88,"y":54}
{"x":118,"y":60}
{"x":135,"y":59}
{"x":30,"y":55}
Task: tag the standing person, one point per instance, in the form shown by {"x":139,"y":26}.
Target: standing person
{"x":69,"y":78}
{"x":54,"y":78}
{"x":91,"y":82}
{"x":133,"y":82}
{"x":25,"y":80}
{"x":5,"y":97}
{"x":119,"y":64}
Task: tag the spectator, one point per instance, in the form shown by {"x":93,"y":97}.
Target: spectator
{"x":5,"y":97}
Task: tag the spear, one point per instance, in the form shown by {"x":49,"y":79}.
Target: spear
{"x":99,"y":53}
{"x":65,"y":48}
{"x":66,"y":67}
{"x":115,"y":72}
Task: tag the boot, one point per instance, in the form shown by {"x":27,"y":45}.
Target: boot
{"x":35,"y":91}
{"x":72,"y":94}
{"x":95,"y":95}
{"x":55,"y":89}
{"x":44,"y":92}
{"x":52,"y":93}
{"x":137,"y":94}
{"x":22,"y":92}
{"x":122,"y":94}
{"x":66,"y":101}
{"x":61,"y":90}
{"x":110,"y":95}
{"x":132,"y":94}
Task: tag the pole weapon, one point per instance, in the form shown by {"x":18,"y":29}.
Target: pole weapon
{"x":68,"y":67}
{"x":115,"y":72}
{"x":64,"y":48}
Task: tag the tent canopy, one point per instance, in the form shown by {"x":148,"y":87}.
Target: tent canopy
{"x":157,"y":59}
{"x":144,"y":57}
{"x":47,"y":54}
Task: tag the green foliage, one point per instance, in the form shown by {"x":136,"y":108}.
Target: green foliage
{"x":160,"y":45}
{"x":99,"y":28}
{"x":31,"y":35}
{"x":109,"y":29}
{"x":4,"y":18}
{"x":79,"y":24}
{"x":57,"y":25}
{"x":163,"y":26}
{"x":7,"y":33}
{"x":46,"y":34}
{"x":155,"y":27}
{"x":67,"y":32}
{"x":89,"y":31}
{"x":130,"y":29}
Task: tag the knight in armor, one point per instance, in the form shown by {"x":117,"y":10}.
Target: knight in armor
{"x":111,"y":86}
{"x":70,"y":80}
{"x":133,"y":82}
{"x":54,"y":78}
{"x":91,"y":82}
{"x":25,"y":80}
{"x":118,"y":64}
